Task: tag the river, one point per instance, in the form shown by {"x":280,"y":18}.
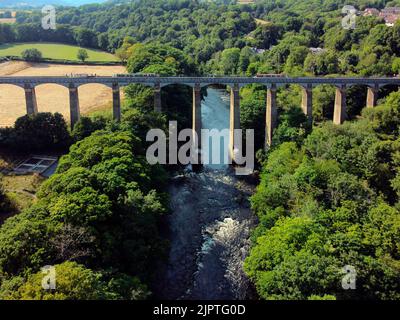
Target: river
{"x":209,"y":225}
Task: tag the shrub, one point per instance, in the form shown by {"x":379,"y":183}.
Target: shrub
{"x":41,"y":131}
{"x":82,"y":55}
{"x":32,"y":55}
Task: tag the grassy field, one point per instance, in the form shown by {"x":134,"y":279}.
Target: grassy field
{"x":21,"y":190}
{"x":55,"y":51}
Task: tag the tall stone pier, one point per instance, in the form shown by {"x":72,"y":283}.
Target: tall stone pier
{"x":372,"y":96}
{"x":30,"y":99}
{"x":271,"y":116}
{"x":306,"y":102}
{"x":340,"y":113}
{"x":196,"y":114}
{"x":234,"y":120}
{"x":116,"y":102}
{"x":157,"y":97}
{"x":74,"y":105}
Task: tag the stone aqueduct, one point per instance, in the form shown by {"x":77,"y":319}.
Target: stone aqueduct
{"x":235,"y":83}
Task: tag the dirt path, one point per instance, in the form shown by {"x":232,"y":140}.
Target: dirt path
{"x":51,"y":97}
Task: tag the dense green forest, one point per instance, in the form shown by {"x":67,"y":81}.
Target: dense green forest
{"x":327,"y":201}
{"x":219,"y":37}
{"x":100,"y":210}
{"x":328,"y":195}
{"x":97,"y":219}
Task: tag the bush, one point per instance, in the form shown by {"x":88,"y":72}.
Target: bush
{"x":24,"y":241}
{"x":74,"y":282}
{"x":86,"y":126}
{"x":42,"y":131}
{"x":32,"y":55}
{"x":6,"y":205}
{"x":82,"y":55}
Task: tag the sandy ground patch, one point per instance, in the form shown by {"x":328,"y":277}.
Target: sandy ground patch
{"x":51,"y":97}
{"x":8,"y":20}
{"x":10,"y":67}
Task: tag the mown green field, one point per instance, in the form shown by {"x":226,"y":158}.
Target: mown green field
{"x":55,"y":51}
